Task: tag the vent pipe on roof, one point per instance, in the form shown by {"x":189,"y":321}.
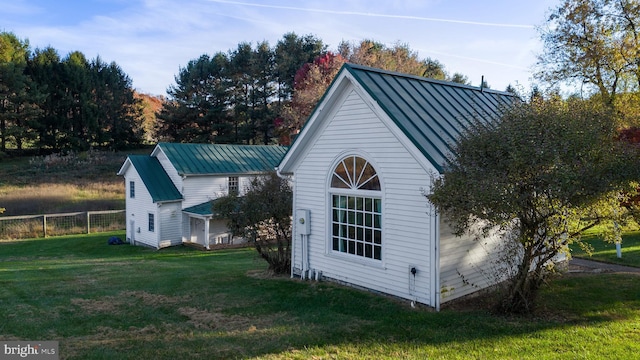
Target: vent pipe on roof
{"x":482,"y":83}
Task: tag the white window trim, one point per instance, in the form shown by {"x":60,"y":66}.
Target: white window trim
{"x":149,"y":223}
{"x":378,"y":194}
{"x":237,"y":184}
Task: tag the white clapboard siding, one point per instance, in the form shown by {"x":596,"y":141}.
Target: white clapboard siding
{"x":138,"y":210}
{"x":186,"y":228}
{"x":199,"y":189}
{"x":170,"y":224}
{"x":406,"y":224}
{"x":468,"y":263}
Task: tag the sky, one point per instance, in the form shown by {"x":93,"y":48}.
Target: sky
{"x":152,"y":39}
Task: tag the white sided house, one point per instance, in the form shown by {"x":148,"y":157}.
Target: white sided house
{"x":360,"y":169}
{"x":169,"y":194}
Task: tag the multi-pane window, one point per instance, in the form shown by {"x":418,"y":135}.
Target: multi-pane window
{"x":356,"y":209}
{"x":233,"y":185}
{"x":132,"y":189}
{"x":152,"y":223}
{"x":357,"y":226}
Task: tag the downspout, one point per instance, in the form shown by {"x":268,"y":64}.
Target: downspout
{"x":436,"y":259}
{"x":293,"y":225}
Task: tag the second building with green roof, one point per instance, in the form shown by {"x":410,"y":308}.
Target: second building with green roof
{"x":169,"y":193}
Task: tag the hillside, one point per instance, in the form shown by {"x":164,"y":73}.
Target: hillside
{"x":53,"y":184}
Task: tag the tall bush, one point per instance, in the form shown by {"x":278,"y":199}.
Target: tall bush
{"x":263,"y":217}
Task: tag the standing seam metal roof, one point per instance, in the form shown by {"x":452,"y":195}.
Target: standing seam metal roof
{"x":431,"y":113}
{"x":204,"y":209}
{"x":208,"y":159}
{"x":155,"y":179}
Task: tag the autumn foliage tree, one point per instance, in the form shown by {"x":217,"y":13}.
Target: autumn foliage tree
{"x":313,"y":79}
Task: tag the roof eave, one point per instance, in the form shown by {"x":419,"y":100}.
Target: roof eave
{"x":251,"y":173}
{"x":167,"y":201}
{"x":125,"y":166}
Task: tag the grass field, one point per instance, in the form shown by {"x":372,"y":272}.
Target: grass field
{"x":57,"y":184}
{"x":606,"y":252}
{"x":124,"y":302}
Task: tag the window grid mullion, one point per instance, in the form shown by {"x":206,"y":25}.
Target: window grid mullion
{"x":356,"y":214}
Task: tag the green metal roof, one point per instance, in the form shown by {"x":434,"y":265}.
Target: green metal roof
{"x":431,"y":113}
{"x":208,"y":159}
{"x":155,"y":178}
{"x":204,"y":209}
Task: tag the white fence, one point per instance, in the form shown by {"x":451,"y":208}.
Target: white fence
{"x":34,"y":226}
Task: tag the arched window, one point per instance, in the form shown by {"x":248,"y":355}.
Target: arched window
{"x":356,"y":208}
{"x":354,"y":172}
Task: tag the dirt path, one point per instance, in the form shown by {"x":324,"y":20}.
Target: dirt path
{"x":583,"y":265}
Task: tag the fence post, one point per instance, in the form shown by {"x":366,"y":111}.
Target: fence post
{"x":44,"y":225}
{"x":88,"y":222}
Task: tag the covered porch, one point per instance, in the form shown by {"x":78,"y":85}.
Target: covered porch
{"x":201,"y":229}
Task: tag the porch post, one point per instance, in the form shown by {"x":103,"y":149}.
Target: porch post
{"x":206,"y":232}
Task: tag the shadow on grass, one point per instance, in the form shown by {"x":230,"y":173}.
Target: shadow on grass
{"x":134,"y":302}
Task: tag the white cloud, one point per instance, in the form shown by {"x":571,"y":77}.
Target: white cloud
{"x":151,"y":39}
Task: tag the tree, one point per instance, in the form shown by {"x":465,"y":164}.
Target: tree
{"x":240,"y":82}
{"x":197,"y":108}
{"x":460,"y":79}
{"x":118,"y":112}
{"x":45,"y":68}
{"x":313,"y":78}
{"x":593,"y":43}
{"x":543,"y":173}
{"x":263,"y":90}
{"x":398,"y":57}
{"x":19,"y":96}
{"x":150,"y":106}
{"x":79,"y":114}
{"x":69,"y":104}
{"x":263,"y":217}
{"x":292,"y":52}
{"x":235,"y":97}
{"x":311,"y":81}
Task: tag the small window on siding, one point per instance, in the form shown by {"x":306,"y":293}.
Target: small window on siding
{"x":233,"y":185}
{"x":152,"y":223}
{"x":132,"y":189}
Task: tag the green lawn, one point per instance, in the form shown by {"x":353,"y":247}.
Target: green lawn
{"x":606,"y":252}
{"x":124,"y":302}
